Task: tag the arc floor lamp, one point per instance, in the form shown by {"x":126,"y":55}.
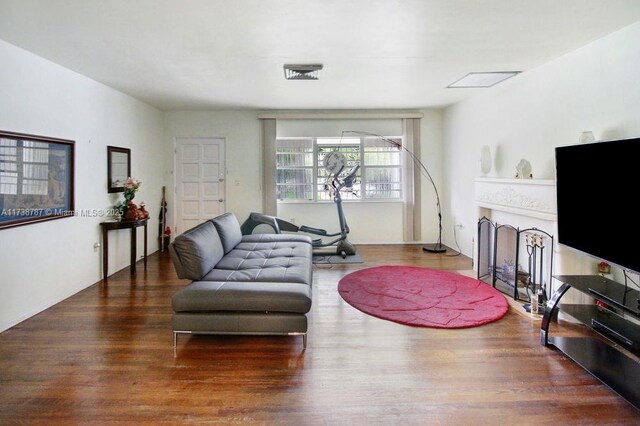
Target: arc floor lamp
{"x":436,"y":247}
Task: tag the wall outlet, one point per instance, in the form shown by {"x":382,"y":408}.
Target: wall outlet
{"x":459,"y":225}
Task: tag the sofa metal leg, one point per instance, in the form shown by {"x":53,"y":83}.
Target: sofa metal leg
{"x":304,"y":341}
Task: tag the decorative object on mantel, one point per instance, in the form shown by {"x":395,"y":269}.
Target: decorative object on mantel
{"x":524,"y":170}
{"x":128,"y":209}
{"x":586,"y":137}
{"x":485,"y":159}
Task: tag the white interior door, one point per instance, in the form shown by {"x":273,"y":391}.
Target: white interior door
{"x":200,"y":176}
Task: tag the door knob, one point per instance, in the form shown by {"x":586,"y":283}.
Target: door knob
{"x":221,"y":180}
{"x":221,"y":200}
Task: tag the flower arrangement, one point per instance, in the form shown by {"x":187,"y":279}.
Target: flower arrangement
{"x":127,"y":208}
{"x":131,"y":186}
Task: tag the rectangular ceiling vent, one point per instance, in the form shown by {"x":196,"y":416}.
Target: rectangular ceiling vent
{"x":482,"y":79}
{"x":302,"y":71}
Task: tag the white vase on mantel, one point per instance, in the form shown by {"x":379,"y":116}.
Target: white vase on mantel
{"x":485,"y":159}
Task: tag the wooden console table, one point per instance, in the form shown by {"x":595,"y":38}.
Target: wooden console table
{"x":125,"y":224}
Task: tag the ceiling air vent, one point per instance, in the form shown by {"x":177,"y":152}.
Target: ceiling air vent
{"x":302,"y":71}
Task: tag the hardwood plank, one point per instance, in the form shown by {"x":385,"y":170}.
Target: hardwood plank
{"x":105,"y":355}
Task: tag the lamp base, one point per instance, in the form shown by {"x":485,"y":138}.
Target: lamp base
{"x":434,"y":248}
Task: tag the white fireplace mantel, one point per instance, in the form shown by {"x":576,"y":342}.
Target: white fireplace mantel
{"x":526,"y":197}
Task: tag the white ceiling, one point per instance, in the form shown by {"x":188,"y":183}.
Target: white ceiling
{"x":217,"y":54}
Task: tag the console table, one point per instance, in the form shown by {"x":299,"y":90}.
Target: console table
{"x":606,"y":359}
{"x":124,"y":224}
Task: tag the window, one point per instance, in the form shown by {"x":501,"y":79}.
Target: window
{"x":302,"y":176}
{"x":294,"y":165}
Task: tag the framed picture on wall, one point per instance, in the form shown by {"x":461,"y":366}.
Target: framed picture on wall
{"x":36,"y":178}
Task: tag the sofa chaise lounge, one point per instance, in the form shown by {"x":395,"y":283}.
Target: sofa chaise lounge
{"x":251,"y":284}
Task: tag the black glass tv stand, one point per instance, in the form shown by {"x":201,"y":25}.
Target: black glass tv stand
{"x":611,"y":354}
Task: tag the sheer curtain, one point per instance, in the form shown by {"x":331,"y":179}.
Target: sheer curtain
{"x":269,"y":194}
{"x":412,"y":180}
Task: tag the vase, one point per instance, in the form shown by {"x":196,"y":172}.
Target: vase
{"x":131,"y":214}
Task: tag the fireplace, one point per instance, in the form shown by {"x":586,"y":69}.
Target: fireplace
{"x":515,"y":248}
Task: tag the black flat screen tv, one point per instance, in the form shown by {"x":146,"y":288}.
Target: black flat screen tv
{"x":597,"y":188}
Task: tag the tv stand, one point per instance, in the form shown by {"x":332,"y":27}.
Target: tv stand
{"x":611,"y":354}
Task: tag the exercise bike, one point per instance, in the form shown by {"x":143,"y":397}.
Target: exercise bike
{"x":335,"y":163}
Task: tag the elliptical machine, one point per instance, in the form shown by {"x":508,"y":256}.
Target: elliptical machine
{"x":335,"y":163}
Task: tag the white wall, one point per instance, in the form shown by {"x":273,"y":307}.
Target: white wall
{"x":593,"y":88}
{"x":42,"y":264}
{"x":242,"y":131}
{"x":369,"y":222}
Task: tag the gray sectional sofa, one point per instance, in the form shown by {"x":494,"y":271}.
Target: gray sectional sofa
{"x":251,"y":284}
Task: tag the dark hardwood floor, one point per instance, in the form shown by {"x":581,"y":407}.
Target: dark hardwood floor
{"x":105,"y":355}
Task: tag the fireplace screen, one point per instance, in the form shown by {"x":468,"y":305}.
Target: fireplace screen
{"x":516,"y":262}
{"x":486,"y":234}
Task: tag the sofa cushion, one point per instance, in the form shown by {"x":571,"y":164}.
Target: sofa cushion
{"x":288,"y":262}
{"x":211,"y":296}
{"x":229,"y":230}
{"x":274,"y":238}
{"x":196,"y":251}
{"x":240,"y":322}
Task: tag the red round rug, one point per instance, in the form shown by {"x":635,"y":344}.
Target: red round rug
{"x":422,"y":297}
